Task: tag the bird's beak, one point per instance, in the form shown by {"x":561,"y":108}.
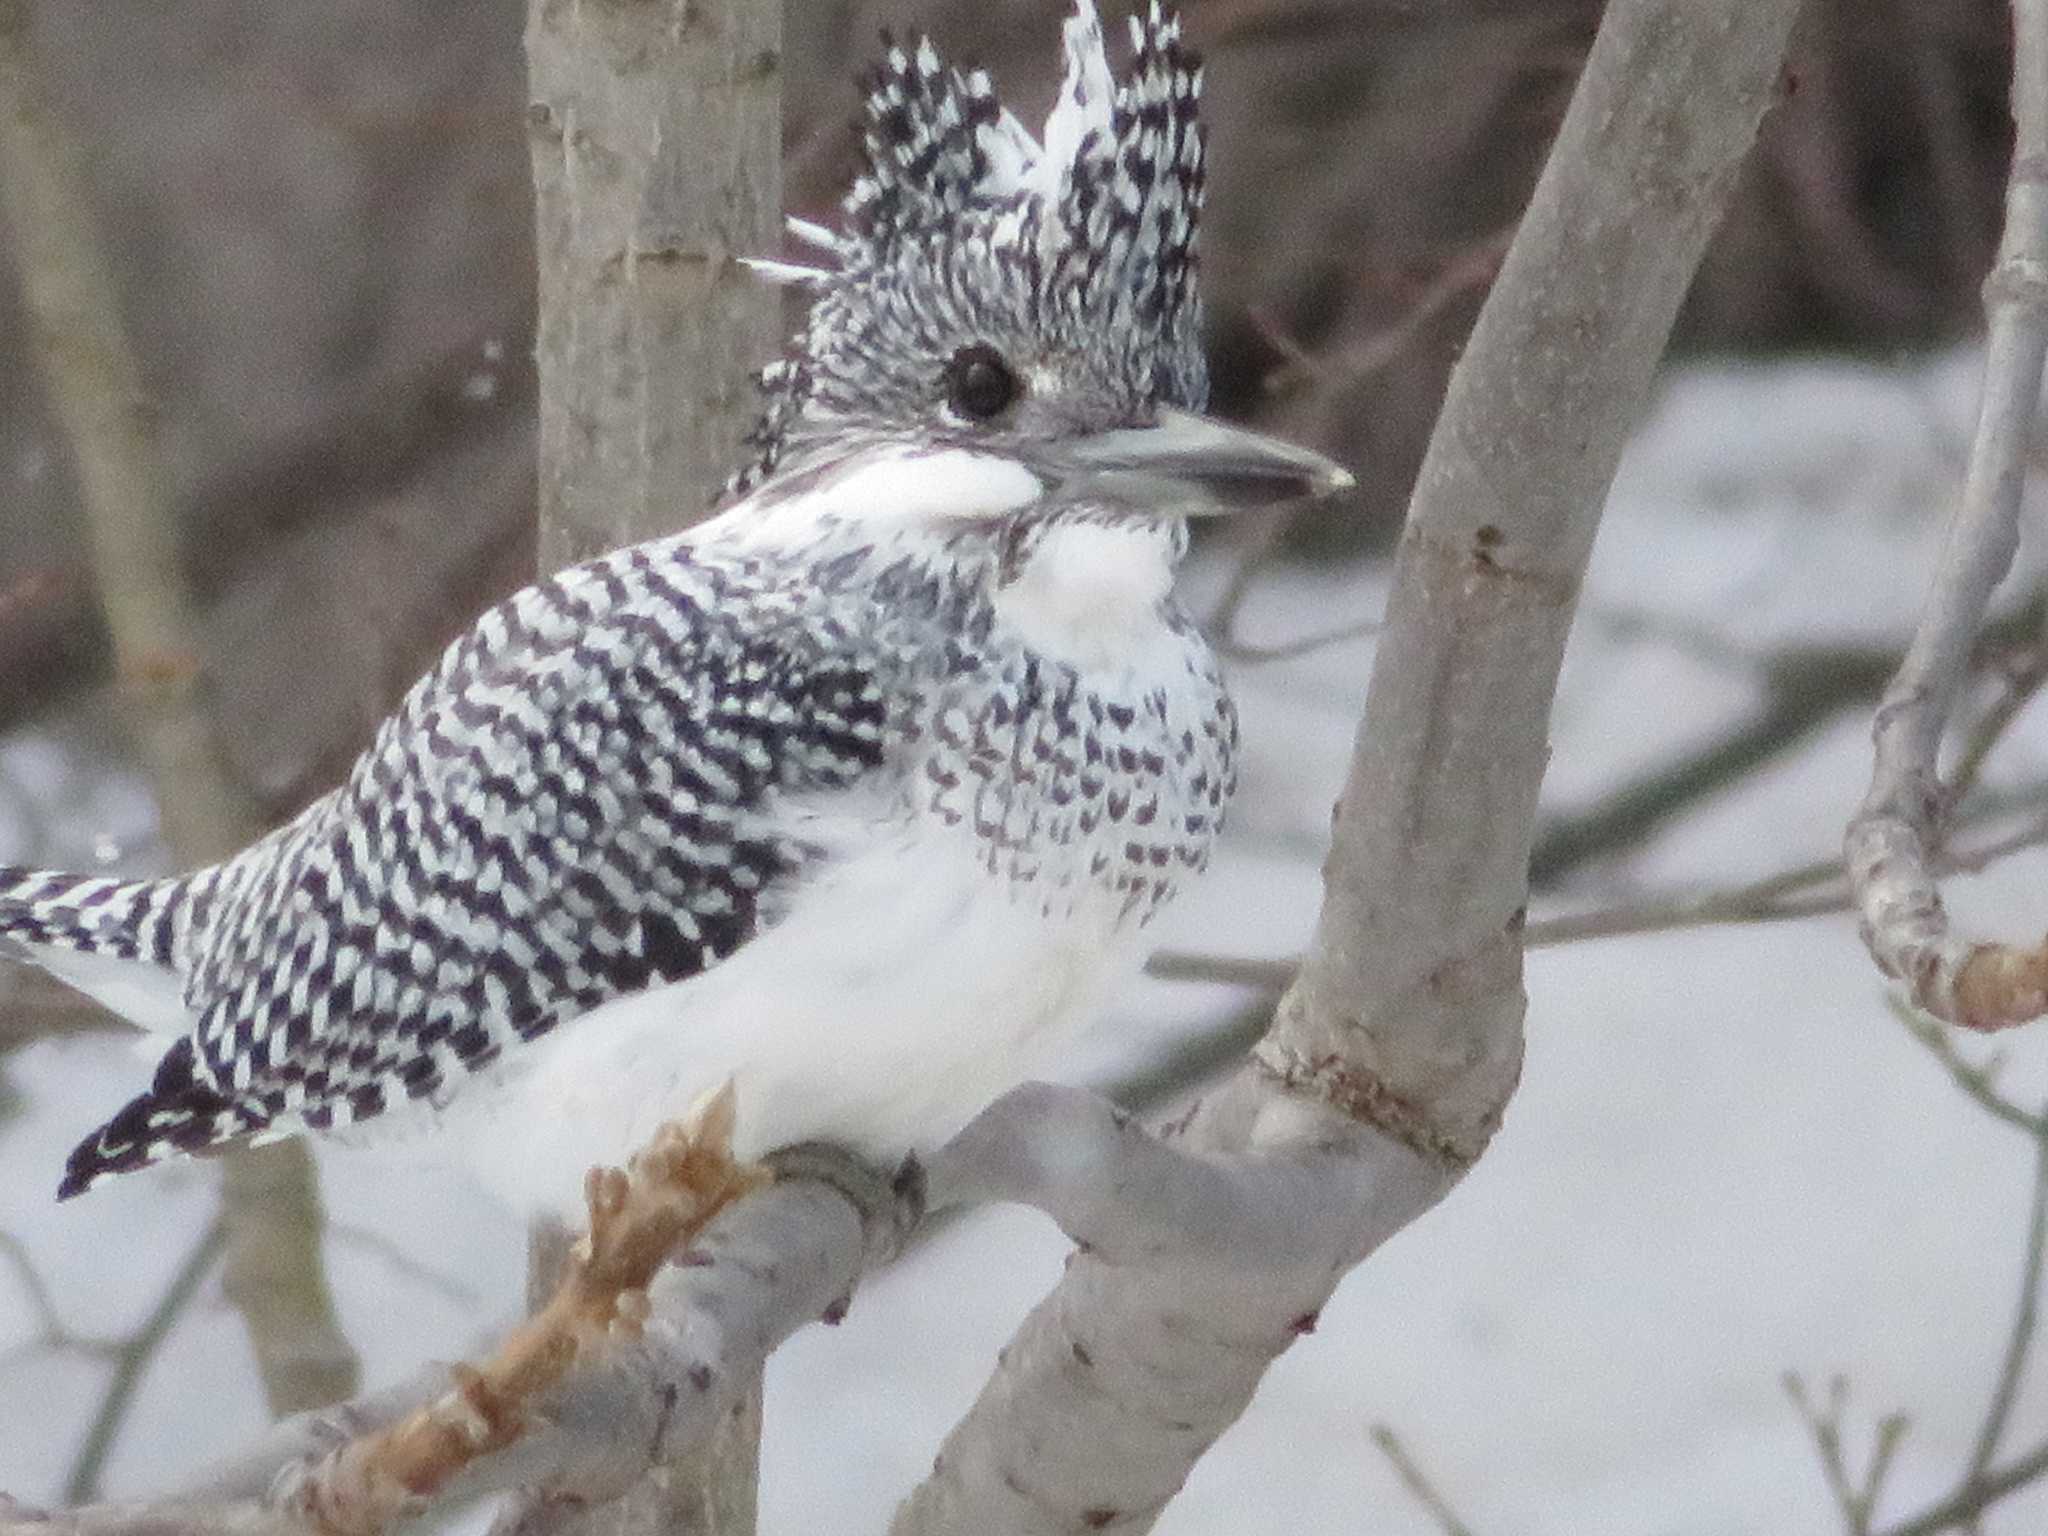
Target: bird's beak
{"x":1190,"y":463}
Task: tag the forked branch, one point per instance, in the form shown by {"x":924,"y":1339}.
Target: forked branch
{"x":1211,"y":1248}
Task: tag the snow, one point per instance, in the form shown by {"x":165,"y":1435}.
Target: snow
{"x":1726,"y":1160}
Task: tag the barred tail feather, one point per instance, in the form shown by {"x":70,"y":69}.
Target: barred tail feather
{"x":111,"y":939}
{"x":91,"y":914}
{"x":181,"y":1112}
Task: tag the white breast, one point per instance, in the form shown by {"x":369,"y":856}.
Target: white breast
{"x":901,"y":992}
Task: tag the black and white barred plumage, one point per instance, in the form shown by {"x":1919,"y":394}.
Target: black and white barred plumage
{"x":859,"y":793}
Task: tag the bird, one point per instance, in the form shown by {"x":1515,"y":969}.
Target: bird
{"x":859,"y":795}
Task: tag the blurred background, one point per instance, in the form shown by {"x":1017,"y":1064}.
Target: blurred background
{"x":1726,"y":1160}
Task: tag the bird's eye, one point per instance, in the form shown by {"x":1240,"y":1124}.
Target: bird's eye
{"x":979,"y":384}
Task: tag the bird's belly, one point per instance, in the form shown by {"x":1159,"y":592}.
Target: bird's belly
{"x":900,"y":993}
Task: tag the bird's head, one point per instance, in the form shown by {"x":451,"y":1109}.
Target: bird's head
{"x":1033,"y":300}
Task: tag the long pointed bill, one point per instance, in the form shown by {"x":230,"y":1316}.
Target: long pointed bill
{"x":1196,"y":464}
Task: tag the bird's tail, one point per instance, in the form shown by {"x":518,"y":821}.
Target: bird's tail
{"x":91,"y":914}
{"x":114,"y":940}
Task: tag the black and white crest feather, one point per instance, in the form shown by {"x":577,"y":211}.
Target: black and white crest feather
{"x":964,"y":227}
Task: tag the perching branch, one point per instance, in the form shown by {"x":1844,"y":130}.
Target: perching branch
{"x":1891,"y":839}
{"x":637,"y":1363}
{"x":668,"y":1194}
{"x":1212,"y":1247}
{"x":270,"y":1197}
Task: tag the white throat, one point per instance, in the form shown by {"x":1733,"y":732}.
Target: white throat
{"x":1090,"y":594}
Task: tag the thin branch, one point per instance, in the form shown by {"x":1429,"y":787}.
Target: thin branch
{"x":1888,"y":841}
{"x":1813,"y":889}
{"x":1472,"y":268}
{"x":1966,"y":1504}
{"x":52,"y":1332}
{"x":1246,"y":653}
{"x":2021,"y":676}
{"x":2020,"y":1338}
{"x":131,"y":1361}
{"x":1855,"y":1501}
{"x":1979,"y":1082}
{"x":401,"y":1263}
{"x":1417,"y":1482}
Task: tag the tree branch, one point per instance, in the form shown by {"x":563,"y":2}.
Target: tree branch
{"x":630,"y":1372}
{"x":1890,"y":839}
{"x":1389,"y":1062}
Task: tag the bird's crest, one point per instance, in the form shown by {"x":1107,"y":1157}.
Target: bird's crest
{"x":1087,"y":231}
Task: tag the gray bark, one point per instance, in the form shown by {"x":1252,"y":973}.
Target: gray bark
{"x":656,"y":136}
{"x":655,"y":128}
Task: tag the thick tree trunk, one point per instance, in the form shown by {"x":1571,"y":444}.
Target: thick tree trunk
{"x":655,"y":128}
{"x":656,"y":136}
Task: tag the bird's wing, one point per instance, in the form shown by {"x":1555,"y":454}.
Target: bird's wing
{"x":576,"y":804}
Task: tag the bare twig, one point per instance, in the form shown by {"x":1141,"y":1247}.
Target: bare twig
{"x":2020,"y":1338}
{"x":1888,"y":842}
{"x":2020,"y":677}
{"x":1979,"y":1485}
{"x":1473,"y":267}
{"x":1812,"y":889}
{"x":1965,"y":1505}
{"x":1248,"y":653}
{"x":131,"y":1357}
{"x":1979,"y":1081}
{"x":1856,"y":1501}
{"x":1417,"y":1482}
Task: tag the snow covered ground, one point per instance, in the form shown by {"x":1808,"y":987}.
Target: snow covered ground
{"x":1726,"y":1159}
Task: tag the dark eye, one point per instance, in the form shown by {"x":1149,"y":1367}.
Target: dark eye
{"x":979,"y":384}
